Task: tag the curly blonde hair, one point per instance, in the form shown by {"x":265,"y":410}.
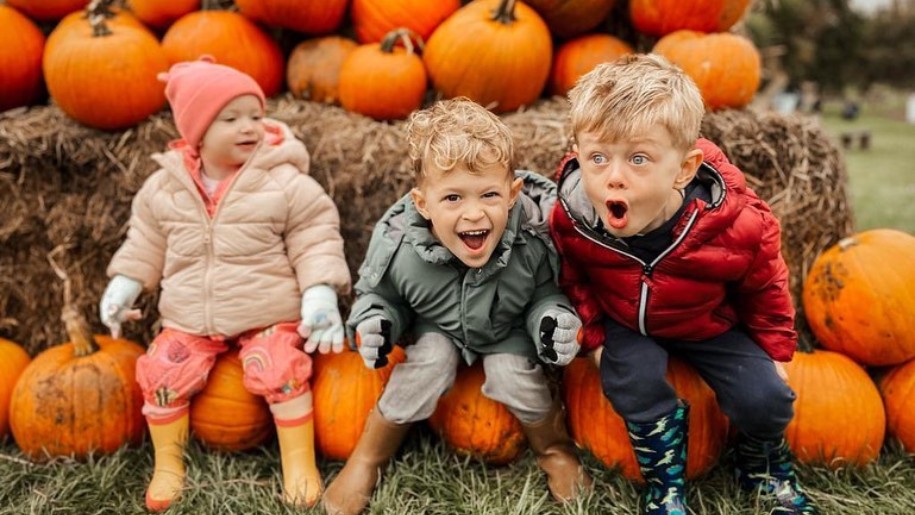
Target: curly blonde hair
{"x":624,"y":98}
{"x":458,"y":132}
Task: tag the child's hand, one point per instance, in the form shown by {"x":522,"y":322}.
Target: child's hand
{"x":558,"y":336}
{"x":117,"y":301}
{"x":373,"y":338}
{"x":321,"y":324}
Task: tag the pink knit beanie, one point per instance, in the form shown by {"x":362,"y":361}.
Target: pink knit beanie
{"x":198,"y":90}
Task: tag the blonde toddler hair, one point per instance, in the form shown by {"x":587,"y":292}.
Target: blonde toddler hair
{"x":458,"y":132}
{"x":625,"y":98}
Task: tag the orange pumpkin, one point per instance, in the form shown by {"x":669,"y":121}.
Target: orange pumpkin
{"x":897,"y":388}
{"x":578,"y":56}
{"x":384,"y":81}
{"x":224,"y":415}
{"x":495,"y":52}
{"x":79,"y":20}
{"x":78,"y":397}
{"x":725,"y":67}
{"x":313,"y":71}
{"x":345,"y":392}
{"x":569,"y":18}
{"x":838,"y":414}
{"x":20,"y":59}
{"x":13,"y":360}
{"x":474,"y":425}
{"x":859,"y":296}
{"x":104,"y":75}
{"x":373,"y":19}
{"x":308,"y":16}
{"x":159,"y":14}
{"x":661,"y":17}
{"x":47,"y":10}
{"x":232,"y":40}
{"x":595,"y":425}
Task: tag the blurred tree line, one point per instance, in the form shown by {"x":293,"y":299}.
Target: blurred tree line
{"x":834,"y":46}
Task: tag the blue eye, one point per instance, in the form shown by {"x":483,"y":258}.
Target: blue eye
{"x":599,"y":159}
{"x":639,"y":160}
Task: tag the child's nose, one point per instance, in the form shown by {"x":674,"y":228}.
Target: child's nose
{"x":616,"y":177}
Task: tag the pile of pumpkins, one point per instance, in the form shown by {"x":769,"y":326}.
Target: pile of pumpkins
{"x":100,"y":64}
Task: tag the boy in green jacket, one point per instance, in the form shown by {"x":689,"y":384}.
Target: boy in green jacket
{"x":465,"y":265}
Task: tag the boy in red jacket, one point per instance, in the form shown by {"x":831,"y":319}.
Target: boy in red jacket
{"x":666,"y":251}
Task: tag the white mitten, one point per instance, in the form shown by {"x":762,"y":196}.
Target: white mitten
{"x":116,"y":305}
{"x":558,"y":336}
{"x":373,"y":337}
{"x":321,"y":324}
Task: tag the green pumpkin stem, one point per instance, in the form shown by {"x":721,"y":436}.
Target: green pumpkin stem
{"x":505,"y":13}
{"x":404,"y":35}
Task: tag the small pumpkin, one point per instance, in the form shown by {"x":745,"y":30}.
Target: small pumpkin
{"x":474,"y":425}
{"x":78,"y":397}
{"x":13,"y":360}
{"x":595,"y":425}
{"x":224,"y":415}
{"x":859,"y":297}
{"x":374,"y":19}
{"x":661,"y":17}
{"x":495,"y":52}
{"x":308,"y":16}
{"x":578,"y":56}
{"x":344,"y":393}
{"x":232,"y":40}
{"x":384,"y":81}
{"x":104,"y":75}
{"x":569,"y":18}
{"x":20,"y":59}
{"x":313,"y":70}
{"x":839,"y":417}
{"x":897,"y":388}
{"x":47,"y":10}
{"x":726,"y":67}
{"x":159,"y":14}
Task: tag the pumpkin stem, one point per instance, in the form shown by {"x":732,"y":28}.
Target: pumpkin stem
{"x":98,"y":13}
{"x":505,"y":13}
{"x":75,"y":323}
{"x":218,"y":5}
{"x":403,"y":35}
{"x":847,"y":243}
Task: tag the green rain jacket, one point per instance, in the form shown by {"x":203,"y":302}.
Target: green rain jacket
{"x":416,"y":283}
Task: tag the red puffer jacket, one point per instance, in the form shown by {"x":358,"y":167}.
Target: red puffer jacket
{"x":724,"y":267}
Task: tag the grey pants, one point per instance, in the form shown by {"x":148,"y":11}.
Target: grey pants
{"x":416,"y":384}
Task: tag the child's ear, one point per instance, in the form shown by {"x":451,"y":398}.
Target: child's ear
{"x":688,"y":168}
{"x":419,"y":199}
{"x":515,"y":191}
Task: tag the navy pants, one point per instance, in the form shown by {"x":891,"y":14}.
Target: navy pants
{"x":743,"y":377}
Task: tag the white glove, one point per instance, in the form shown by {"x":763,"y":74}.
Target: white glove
{"x":373,"y":337}
{"x":321,"y":324}
{"x":558,"y":336}
{"x":116,"y":305}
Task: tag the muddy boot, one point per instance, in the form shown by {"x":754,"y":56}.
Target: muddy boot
{"x":764,"y":466}
{"x":660,"y":449}
{"x":557,"y":455}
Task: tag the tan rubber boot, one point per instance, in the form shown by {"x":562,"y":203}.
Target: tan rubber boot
{"x":352,"y":489}
{"x":557,"y":456}
{"x":169,"y":441}
{"x":301,"y":478}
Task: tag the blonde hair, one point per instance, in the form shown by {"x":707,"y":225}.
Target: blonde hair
{"x":625,"y":98}
{"x":458,"y":132}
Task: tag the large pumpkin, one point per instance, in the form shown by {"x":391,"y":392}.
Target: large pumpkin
{"x":373,"y":19}
{"x":78,"y":397}
{"x":596,"y":427}
{"x":838,"y":414}
{"x":232,"y":40}
{"x":104,"y":75}
{"x":308,"y":16}
{"x":13,"y":360}
{"x":568,"y":18}
{"x":495,"y":52}
{"x":345,"y":392}
{"x":47,"y":10}
{"x":661,"y":17}
{"x":159,"y":14}
{"x":20,"y":59}
{"x":726,"y":67}
{"x":384,"y":81}
{"x":860,"y":295}
{"x":474,"y":425}
{"x":313,"y":71}
{"x":898,"y":391}
{"x":578,"y":56}
{"x":224,"y":415}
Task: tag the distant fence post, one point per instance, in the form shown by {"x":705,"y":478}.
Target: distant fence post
{"x":910,"y":109}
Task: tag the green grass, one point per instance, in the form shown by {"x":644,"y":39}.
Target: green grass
{"x":424,"y":478}
{"x":882,"y":178}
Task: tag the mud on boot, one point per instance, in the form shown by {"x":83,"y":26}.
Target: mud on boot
{"x":765,"y":466}
{"x":660,"y":449}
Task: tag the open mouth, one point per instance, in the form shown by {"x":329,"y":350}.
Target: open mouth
{"x":617,"y":215}
{"x":474,"y":239}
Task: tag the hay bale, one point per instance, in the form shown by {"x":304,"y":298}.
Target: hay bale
{"x":66,"y":192}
